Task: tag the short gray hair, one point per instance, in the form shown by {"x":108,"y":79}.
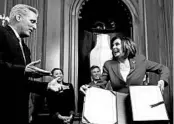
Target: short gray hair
{"x":22,"y":9}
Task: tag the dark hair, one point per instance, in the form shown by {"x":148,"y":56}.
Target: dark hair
{"x":54,"y":69}
{"x":128,"y":46}
{"x":93,"y":67}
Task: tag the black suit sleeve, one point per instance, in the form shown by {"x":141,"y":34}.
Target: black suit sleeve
{"x":37,"y":87}
{"x":72,"y":97}
{"x":8,"y":65}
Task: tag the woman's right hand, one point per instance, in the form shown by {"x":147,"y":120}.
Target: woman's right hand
{"x":83,"y":88}
{"x":54,"y":86}
{"x":63,"y":118}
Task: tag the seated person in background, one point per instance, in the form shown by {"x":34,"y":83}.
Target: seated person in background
{"x":61,"y":99}
{"x":96,"y":81}
{"x":127,"y":68}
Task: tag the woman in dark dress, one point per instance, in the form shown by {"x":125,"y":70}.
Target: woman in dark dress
{"x":61,"y":101}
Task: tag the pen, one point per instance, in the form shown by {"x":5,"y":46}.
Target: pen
{"x":157,"y":104}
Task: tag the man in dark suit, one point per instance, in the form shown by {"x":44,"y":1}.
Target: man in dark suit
{"x":16,"y":66}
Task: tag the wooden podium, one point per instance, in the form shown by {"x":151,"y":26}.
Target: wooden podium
{"x":144,"y":105}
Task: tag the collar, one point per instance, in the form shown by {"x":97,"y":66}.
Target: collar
{"x":95,"y":82}
{"x":16,"y":33}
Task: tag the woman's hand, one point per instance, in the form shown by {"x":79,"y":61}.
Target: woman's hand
{"x":161,"y":85}
{"x":68,"y":119}
{"x":83,"y":88}
{"x":65,"y":119}
{"x":54,"y":86}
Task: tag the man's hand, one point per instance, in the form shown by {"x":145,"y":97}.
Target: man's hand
{"x":37,"y":72}
{"x":30,"y":67}
{"x":161,"y":85}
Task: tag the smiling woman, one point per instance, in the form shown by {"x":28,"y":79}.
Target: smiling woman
{"x":98,"y":22}
{"x":61,"y":100}
{"x":128,"y":68}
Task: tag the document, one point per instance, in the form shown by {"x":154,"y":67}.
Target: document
{"x":147,"y":103}
{"x":99,"y":107}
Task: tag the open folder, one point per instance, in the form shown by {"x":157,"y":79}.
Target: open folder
{"x":104,"y":107}
{"x":147,"y":103}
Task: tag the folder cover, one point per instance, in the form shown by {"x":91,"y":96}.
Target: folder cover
{"x":147,"y":103}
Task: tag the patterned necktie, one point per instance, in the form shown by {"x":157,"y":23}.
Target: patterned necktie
{"x":20,"y":43}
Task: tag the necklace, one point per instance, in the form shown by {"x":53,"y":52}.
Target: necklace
{"x":125,"y":69}
{"x":125,"y":65}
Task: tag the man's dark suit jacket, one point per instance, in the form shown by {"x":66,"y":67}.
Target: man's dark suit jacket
{"x":14,"y":82}
{"x":139,"y":65}
{"x":99,"y":84}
